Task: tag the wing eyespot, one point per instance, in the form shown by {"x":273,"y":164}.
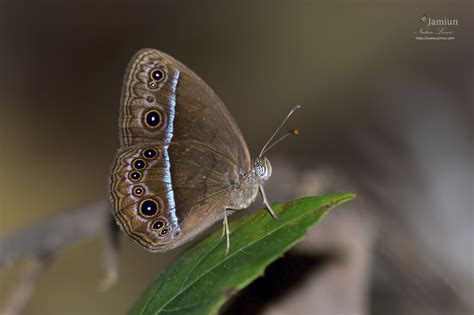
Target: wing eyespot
{"x":150,"y":153}
{"x":134,"y":176}
{"x":139,"y":164}
{"x":158,"y":224}
{"x":138,"y":191}
{"x":152,"y":85}
{"x":157,"y":75}
{"x":148,"y":208}
{"x":161,"y":227}
{"x":153,"y":119}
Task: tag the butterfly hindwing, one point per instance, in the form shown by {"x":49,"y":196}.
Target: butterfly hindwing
{"x":142,"y":197}
{"x":147,"y":193}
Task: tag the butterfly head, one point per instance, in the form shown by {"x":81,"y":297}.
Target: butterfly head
{"x":262,"y":168}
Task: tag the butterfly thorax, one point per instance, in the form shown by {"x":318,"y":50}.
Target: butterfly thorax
{"x":245,"y":190}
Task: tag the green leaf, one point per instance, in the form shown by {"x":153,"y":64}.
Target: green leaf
{"x":203,"y":278}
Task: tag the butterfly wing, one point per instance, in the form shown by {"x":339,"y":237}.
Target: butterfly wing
{"x":164,"y":199}
{"x":189,"y":108}
{"x":161,"y":208}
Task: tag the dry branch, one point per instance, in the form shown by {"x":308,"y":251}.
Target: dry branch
{"x":54,"y":233}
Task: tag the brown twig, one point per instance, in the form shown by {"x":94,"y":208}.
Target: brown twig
{"x":54,"y":233}
{"x":41,"y":241}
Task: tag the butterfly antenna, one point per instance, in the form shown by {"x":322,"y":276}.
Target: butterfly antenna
{"x":295,"y":131}
{"x":286,"y":135}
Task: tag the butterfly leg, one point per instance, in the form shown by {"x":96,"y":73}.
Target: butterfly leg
{"x":226,"y":232}
{"x":266,"y":203}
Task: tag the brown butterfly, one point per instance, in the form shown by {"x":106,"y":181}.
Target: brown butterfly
{"x":183,"y":162}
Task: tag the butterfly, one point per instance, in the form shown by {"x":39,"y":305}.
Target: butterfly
{"x":183,"y":163}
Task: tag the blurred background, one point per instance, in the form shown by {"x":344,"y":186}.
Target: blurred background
{"x":384,"y":115}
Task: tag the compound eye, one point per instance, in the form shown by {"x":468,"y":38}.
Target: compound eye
{"x":259,"y":169}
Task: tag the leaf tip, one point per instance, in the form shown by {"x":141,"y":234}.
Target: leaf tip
{"x":345,"y":197}
{"x":338,"y":200}
{"x":341,"y":199}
